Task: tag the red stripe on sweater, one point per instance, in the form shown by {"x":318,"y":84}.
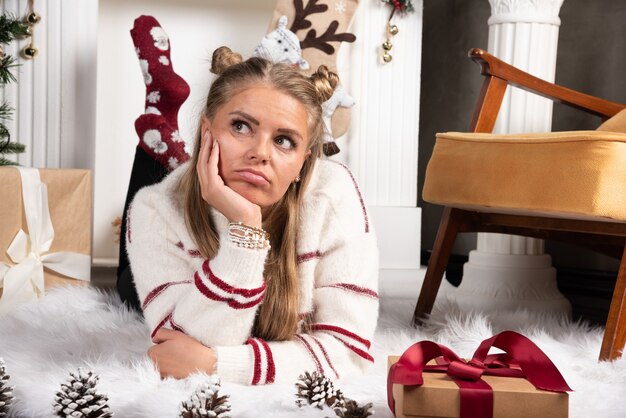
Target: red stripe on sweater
{"x":175,"y":326}
{"x":214,"y":296}
{"x":358,"y":351}
{"x":342,"y":331}
{"x":309,"y":256}
{"x":308,"y":347}
{"x":192,"y":253}
{"x":158,"y":290}
{"x":319,"y":344}
{"x":358,"y":192}
{"x":257,"y":361}
{"x":160,"y":325}
{"x":270,"y":373}
{"x":248,"y":293}
{"x":354,"y":288}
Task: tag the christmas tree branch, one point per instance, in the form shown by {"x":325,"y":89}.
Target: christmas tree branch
{"x":11,"y":28}
{"x":6,"y":111}
{"x":6,"y":64}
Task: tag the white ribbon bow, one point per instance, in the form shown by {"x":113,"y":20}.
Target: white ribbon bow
{"x":23,"y":281}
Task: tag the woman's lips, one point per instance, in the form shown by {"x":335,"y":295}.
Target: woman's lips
{"x":252,"y":178}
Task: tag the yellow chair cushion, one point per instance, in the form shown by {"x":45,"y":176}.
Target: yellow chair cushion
{"x":578,"y":174}
{"x":615,"y":124}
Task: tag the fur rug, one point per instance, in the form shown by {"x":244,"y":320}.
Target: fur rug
{"x":87,"y":327}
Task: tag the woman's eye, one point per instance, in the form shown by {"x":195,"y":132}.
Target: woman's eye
{"x":285,"y":142}
{"x":240,"y":127}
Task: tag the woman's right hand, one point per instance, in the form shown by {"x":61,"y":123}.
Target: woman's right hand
{"x":216,"y":193}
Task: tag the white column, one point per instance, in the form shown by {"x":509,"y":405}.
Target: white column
{"x":382,"y":142}
{"x":505,"y":271}
{"x":54,"y":95}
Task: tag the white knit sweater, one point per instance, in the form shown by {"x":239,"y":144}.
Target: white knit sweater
{"x":215,"y":301}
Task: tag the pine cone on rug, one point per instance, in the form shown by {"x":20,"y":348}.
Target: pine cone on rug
{"x":6,"y":391}
{"x":351,"y":409}
{"x":78,"y":397}
{"x":205,"y":402}
{"x":317,"y":390}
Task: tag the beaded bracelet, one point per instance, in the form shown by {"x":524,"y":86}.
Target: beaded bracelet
{"x":246,"y":236}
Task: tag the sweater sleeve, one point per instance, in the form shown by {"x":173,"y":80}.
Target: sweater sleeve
{"x":181,"y":290}
{"x":344,"y":308}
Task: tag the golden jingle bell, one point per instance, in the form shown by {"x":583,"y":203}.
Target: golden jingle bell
{"x":387,"y":57}
{"x":30,"y":52}
{"x":387,"y":45}
{"x":33,"y":18}
{"x":393,"y":29}
{"x":28,"y":31}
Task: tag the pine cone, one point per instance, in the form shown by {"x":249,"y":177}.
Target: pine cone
{"x":317,"y":390}
{"x":206,"y":402}
{"x":351,"y":409}
{"x":78,"y":397}
{"x":6,"y":391}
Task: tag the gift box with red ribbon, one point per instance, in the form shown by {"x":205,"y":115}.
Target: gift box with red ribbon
{"x":430,"y":380}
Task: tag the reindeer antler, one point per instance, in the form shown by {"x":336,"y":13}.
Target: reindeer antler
{"x":300,"y":21}
{"x":322,"y":43}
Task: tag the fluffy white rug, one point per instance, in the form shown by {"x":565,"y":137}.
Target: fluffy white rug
{"x":86,"y":327}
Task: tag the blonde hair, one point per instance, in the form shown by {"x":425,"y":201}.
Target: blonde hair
{"x":277,"y":318}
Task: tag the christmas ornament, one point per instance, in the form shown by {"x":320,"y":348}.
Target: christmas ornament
{"x":32,"y":18}
{"x":317,"y":390}
{"x":402,"y":6}
{"x":6,"y":391}
{"x":206,"y":402}
{"x":166,"y":91}
{"x":352,"y":409}
{"x":78,"y":397}
{"x":30,"y":52}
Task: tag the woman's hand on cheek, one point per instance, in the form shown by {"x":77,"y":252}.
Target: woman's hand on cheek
{"x":216,"y":193}
{"x":178,"y":355}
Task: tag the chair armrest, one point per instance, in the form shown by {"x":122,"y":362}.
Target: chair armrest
{"x":492,"y":66}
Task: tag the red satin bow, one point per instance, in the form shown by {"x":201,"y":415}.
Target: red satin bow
{"x":522,"y":358}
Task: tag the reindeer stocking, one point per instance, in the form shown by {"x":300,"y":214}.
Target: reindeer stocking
{"x":321,"y":26}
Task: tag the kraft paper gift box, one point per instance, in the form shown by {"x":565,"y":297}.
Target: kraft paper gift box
{"x":439,"y":396}
{"x":67,"y":254}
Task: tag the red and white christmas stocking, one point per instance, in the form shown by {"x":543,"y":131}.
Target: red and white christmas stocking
{"x":321,"y":26}
{"x":166,"y":91}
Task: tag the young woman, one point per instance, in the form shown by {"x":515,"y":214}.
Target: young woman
{"x":257,"y":260}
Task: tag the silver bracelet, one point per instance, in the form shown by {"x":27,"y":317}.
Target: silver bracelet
{"x":246,"y":236}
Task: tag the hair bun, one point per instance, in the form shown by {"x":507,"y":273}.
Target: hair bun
{"x":224,"y":57}
{"x":325,"y":82}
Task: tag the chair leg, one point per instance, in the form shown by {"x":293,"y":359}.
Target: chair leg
{"x":615,"y":333}
{"x":448,"y":229}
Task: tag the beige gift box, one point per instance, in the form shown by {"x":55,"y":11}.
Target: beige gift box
{"x":69,"y":202}
{"x":439,"y":397}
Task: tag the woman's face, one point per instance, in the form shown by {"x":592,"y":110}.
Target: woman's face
{"x":264,"y":141}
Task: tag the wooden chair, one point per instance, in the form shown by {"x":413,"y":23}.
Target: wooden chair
{"x":602,"y":235}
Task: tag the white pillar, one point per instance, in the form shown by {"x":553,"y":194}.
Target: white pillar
{"x":382,"y":142}
{"x":506,"y":271}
